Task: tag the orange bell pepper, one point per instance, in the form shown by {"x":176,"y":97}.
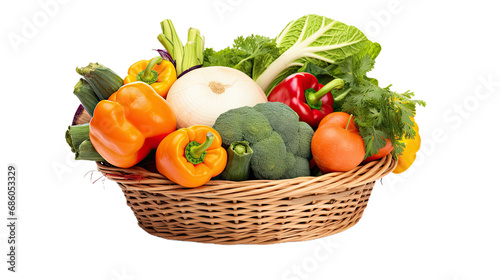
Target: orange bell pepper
{"x":125,"y":128}
{"x":182,"y":159}
{"x":158,"y":73}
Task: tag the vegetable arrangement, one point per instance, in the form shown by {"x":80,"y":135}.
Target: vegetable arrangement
{"x":261,"y":109}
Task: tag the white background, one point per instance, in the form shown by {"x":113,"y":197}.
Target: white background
{"x":438,"y":221}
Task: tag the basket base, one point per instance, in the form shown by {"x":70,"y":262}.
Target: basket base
{"x":249,"y":212}
{"x":318,"y":225}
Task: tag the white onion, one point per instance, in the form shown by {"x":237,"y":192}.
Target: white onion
{"x":200,"y":96}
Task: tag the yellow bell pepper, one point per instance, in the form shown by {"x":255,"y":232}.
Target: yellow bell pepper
{"x":158,"y":73}
{"x":406,"y":159}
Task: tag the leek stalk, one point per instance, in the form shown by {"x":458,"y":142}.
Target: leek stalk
{"x":77,"y":137}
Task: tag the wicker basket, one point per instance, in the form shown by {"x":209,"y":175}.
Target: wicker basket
{"x":249,"y":212}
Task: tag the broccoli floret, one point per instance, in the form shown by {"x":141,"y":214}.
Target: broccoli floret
{"x":301,"y":159}
{"x":229,"y":126}
{"x":268,"y":156}
{"x":305,"y":137}
{"x":256,"y":127}
{"x":300,"y":168}
{"x":283,"y":120}
{"x":289,"y":161}
{"x":242,"y":123}
{"x":281,"y":144}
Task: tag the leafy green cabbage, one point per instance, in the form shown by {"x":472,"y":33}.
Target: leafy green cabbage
{"x":314,"y":39}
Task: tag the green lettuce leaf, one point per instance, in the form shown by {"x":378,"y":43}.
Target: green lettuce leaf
{"x":315,"y":39}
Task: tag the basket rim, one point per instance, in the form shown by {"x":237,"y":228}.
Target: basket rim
{"x":139,"y":178}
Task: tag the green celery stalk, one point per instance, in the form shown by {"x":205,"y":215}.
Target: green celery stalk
{"x":189,"y":59}
{"x":200,"y":46}
{"x":172,"y":43}
{"x":196,"y":52}
{"x":186,"y":56}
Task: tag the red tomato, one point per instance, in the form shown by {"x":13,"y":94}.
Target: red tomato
{"x":382,"y":152}
{"x":336,"y":148}
{"x":339,"y":119}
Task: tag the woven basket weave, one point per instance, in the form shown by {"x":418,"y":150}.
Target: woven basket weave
{"x":249,"y":212}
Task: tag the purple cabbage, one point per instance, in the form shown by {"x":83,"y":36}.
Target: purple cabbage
{"x":189,"y":70}
{"x":166,"y":55}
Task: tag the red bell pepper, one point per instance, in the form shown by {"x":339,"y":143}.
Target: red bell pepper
{"x":306,"y":96}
